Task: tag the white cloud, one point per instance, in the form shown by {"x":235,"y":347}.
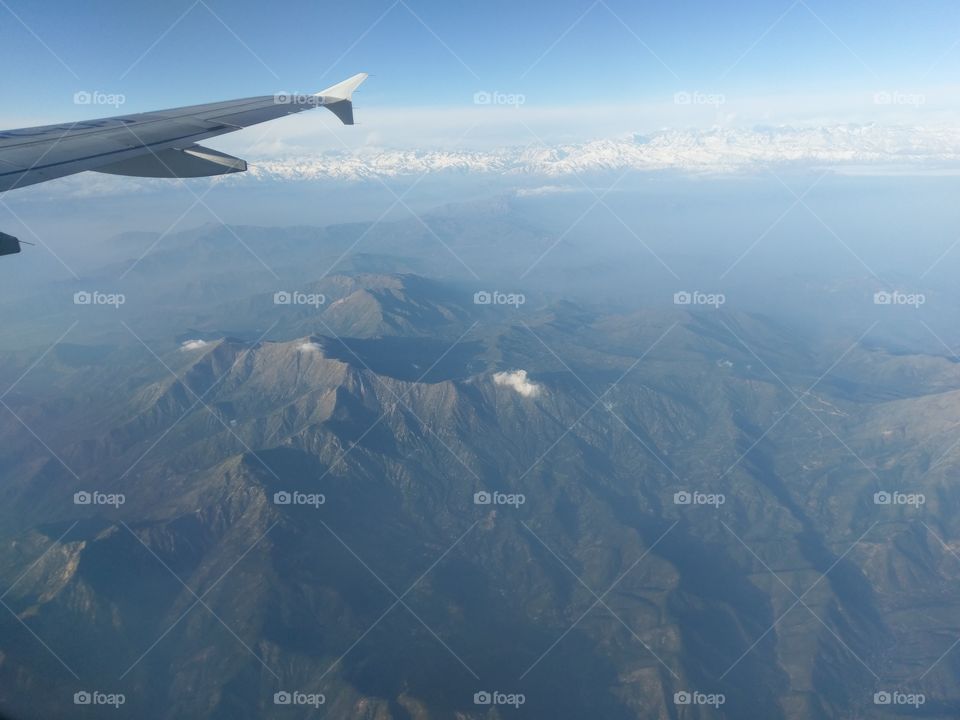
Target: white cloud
{"x":191,"y":345}
{"x":517,"y":380}
{"x":309,"y":347}
{"x":544,"y":190}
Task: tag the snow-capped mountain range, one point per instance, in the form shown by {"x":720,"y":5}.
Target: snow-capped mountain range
{"x":852,"y":148}
{"x":699,"y":151}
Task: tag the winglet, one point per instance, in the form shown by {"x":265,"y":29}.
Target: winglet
{"x":339,"y":98}
{"x":343,"y":90}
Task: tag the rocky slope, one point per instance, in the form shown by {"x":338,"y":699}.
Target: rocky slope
{"x":596,"y":512}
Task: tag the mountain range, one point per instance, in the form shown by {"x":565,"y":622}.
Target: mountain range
{"x":399,"y":506}
{"x":715,"y":150}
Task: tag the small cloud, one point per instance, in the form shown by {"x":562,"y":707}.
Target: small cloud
{"x":309,"y":347}
{"x":543,"y":190}
{"x":191,"y":345}
{"x":517,"y":380}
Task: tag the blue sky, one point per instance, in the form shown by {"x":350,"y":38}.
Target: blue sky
{"x":586,"y":69}
{"x":597,"y":56}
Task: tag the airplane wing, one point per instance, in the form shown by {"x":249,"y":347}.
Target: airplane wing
{"x":160,"y":144}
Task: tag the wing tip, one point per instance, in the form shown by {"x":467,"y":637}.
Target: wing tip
{"x":344,"y":90}
{"x":338,"y":98}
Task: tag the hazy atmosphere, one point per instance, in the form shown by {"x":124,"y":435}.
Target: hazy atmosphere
{"x":541,"y":360}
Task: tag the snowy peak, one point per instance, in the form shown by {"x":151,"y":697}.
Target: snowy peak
{"x":718,"y":150}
